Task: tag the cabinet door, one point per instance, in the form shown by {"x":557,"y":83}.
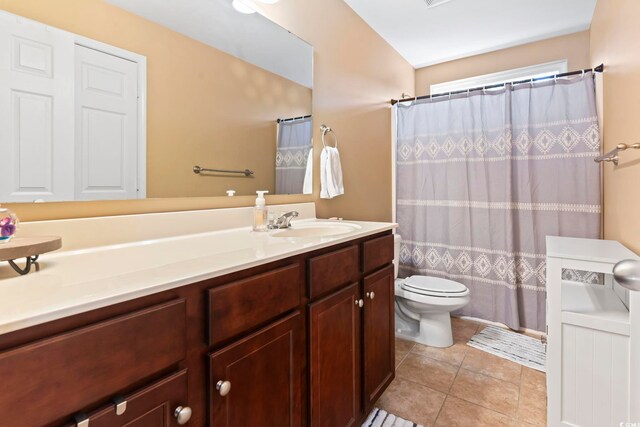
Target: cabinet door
{"x":257,"y":381}
{"x":153,"y":406}
{"x":379,"y":337}
{"x":334,"y":359}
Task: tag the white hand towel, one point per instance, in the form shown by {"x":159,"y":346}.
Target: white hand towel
{"x":331,"y":184}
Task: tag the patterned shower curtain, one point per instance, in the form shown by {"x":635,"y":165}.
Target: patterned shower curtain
{"x":483,"y":178}
{"x":292,"y":155}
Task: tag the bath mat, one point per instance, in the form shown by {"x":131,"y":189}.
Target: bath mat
{"x":512,"y":346}
{"x":380,"y":418}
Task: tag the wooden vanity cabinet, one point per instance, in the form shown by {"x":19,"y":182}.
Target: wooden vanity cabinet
{"x":297,"y":342}
{"x":351,"y":332}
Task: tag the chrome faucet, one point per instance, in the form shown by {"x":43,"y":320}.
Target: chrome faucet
{"x":284,"y":221}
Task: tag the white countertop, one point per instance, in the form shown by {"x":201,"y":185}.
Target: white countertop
{"x":594,"y":250}
{"x":76,"y":281}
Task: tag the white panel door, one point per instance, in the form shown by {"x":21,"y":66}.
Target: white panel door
{"x":36,"y":111}
{"x":106,"y":126}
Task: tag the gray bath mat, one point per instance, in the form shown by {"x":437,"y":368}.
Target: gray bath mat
{"x":380,"y":418}
{"x":512,"y":346}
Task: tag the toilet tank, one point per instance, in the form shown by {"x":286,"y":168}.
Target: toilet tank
{"x":396,"y":253}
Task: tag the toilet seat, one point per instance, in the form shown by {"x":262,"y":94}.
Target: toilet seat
{"x":434,"y":287}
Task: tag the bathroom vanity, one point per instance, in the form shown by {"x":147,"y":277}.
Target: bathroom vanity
{"x":243,"y":329}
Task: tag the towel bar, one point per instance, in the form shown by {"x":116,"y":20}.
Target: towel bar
{"x":612,"y":156}
{"x":198,"y":169}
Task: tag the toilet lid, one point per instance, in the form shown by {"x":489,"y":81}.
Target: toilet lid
{"x":434,"y":286}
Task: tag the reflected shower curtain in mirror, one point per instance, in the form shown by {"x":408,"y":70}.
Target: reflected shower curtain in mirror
{"x":483,"y":178}
{"x":293,"y":151}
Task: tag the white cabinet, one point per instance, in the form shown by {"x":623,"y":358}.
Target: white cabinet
{"x":72,"y":118}
{"x":592,"y":353}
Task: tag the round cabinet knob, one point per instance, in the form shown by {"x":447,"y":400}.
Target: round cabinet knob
{"x":627,"y":274}
{"x":371,"y":295}
{"x":182,"y":414}
{"x":359,"y":303}
{"x":224,"y":387}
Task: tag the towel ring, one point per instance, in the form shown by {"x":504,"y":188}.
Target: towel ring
{"x":325,"y":130}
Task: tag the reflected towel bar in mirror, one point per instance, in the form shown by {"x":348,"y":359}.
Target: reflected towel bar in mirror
{"x":198,"y":169}
{"x":612,"y":156}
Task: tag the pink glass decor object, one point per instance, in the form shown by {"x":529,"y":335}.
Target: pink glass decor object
{"x":8,"y":225}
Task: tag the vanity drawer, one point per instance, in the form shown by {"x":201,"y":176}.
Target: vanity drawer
{"x":49,"y":380}
{"x":377,"y":253}
{"x":153,"y":405}
{"x":333,"y":270}
{"x":240,"y":306}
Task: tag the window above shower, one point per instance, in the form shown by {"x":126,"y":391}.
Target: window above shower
{"x":517,"y":74}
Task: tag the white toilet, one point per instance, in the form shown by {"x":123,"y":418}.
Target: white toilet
{"x":424,"y":305}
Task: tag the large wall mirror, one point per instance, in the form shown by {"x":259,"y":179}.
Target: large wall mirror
{"x":130,"y":99}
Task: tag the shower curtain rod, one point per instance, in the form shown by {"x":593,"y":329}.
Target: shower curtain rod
{"x":598,"y":69}
{"x":292,"y":119}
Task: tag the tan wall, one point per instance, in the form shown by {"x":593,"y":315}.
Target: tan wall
{"x":205,"y":107}
{"x":615,"y":41}
{"x":355,"y":74}
{"x":573,"y":47}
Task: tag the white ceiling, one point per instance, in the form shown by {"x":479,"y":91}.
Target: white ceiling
{"x":460,"y":28}
{"x":252,"y":38}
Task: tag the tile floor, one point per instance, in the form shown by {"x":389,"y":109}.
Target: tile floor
{"x":463,"y":386}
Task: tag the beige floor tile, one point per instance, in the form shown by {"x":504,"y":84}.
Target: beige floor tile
{"x":533,"y":407}
{"x":494,"y":366}
{"x":486,"y":391}
{"x":403,"y":347}
{"x":452,"y":355}
{"x":429,"y":372}
{"x":462,"y":332}
{"x":460,"y":413}
{"x":412,"y":401}
{"x":465,"y":323}
{"x":534,"y":379}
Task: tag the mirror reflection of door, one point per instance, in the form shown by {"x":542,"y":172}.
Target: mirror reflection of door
{"x":70,"y":117}
{"x":106,"y":109}
{"x":36,"y":112}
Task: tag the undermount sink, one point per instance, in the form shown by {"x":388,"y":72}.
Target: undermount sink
{"x":318,"y":229}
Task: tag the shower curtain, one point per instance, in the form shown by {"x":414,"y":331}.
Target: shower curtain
{"x":482,"y":178}
{"x":292,"y":156}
